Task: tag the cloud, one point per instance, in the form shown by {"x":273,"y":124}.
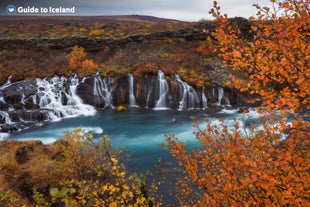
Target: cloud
{"x":178,"y":9}
{"x":189,"y":10}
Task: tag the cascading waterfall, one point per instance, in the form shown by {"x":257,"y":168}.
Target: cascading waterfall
{"x":222,"y":97}
{"x":7,"y":84}
{"x":227,"y":102}
{"x":2,"y":100}
{"x":189,"y":98}
{"x":60,"y":103}
{"x":161,"y":90}
{"x":204,"y":98}
{"x":103,"y":90}
{"x":132,"y":99}
{"x":5,"y":117}
{"x":75,"y":100}
{"x":50,"y":99}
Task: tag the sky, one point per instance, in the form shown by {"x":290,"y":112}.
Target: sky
{"x":186,"y":10}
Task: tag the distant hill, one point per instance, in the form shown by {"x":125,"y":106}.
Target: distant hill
{"x":7,"y":20}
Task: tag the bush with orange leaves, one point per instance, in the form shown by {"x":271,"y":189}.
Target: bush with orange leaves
{"x":78,"y":63}
{"x":267,"y":165}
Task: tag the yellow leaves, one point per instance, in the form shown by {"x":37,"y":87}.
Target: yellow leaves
{"x":94,"y":193}
{"x":114,"y":160}
{"x":95,"y":33}
{"x":79,"y":64}
{"x":140,"y":200}
{"x":113,"y":204}
{"x":104,"y":188}
{"x":76,"y":57}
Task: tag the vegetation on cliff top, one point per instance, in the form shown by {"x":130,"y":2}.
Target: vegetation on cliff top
{"x":170,"y":46}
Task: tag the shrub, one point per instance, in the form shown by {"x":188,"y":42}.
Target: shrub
{"x":75,"y":171}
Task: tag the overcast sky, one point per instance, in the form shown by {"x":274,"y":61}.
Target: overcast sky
{"x":188,"y":10}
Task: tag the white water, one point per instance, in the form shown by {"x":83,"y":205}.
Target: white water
{"x":4,"y":136}
{"x":132,"y":99}
{"x":6,"y":117}
{"x":221,"y":97}
{"x":8,"y":83}
{"x":204,"y":99}
{"x":189,"y":98}
{"x":76,"y":101}
{"x":52,"y":96}
{"x":7,"y":120}
{"x":162,"y":90}
{"x":103,"y":90}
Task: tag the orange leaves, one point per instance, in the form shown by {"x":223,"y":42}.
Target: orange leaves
{"x":79,"y":64}
{"x":275,"y":60}
{"x":253,"y":169}
{"x":76,"y":57}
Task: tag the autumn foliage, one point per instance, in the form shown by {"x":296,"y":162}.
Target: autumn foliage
{"x":78,"y":63}
{"x":74,"y":171}
{"x":268,"y":163}
{"x":277,"y":59}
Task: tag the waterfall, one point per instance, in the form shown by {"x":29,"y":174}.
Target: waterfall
{"x":189,"y":98}
{"x":5,"y":120}
{"x":2,"y":100}
{"x":204,"y":99}
{"x":59,"y":102}
{"x":227,"y":102}
{"x":132,"y":99}
{"x":221,"y":97}
{"x":161,"y":90}
{"x":148,"y":97}
{"x":103,"y":90}
{"x":75,"y":100}
{"x":5,"y":117}
{"x":7,"y":83}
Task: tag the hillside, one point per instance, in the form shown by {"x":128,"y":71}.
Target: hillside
{"x":118,"y":43}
